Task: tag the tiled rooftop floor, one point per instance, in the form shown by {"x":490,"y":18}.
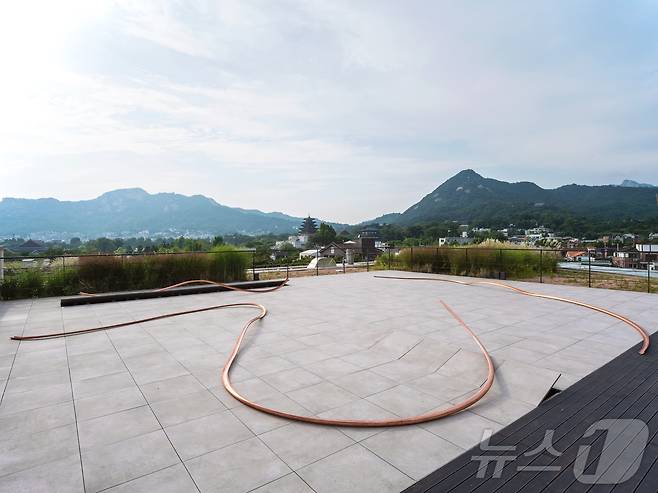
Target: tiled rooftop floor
{"x":603,"y":435}
{"x":142,"y":408}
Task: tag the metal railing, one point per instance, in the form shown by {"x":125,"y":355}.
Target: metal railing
{"x":592,"y":268}
{"x":54,"y":275}
{"x":539,"y":265}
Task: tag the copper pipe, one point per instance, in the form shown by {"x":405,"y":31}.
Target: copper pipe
{"x":350,"y":422}
{"x":214,"y":283}
{"x":160,"y":317}
{"x":364,"y":423}
{"x":226,"y":381}
{"x":56,"y":335}
{"x":646,"y":341}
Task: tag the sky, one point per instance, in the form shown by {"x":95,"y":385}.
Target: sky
{"x":339,"y":109}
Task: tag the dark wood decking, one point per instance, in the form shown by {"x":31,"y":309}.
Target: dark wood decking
{"x":625,"y":388}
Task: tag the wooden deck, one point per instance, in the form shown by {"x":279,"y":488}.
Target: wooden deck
{"x":625,"y":388}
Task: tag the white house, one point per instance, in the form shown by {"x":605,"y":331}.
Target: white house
{"x":297,"y":241}
{"x":308,"y":253}
{"x":455,"y":240}
{"x":541,"y":230}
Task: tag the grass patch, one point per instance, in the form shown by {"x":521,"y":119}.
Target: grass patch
{"x":604,"y":280}
{"x":112,"y":273}
{"x":518,"y":263}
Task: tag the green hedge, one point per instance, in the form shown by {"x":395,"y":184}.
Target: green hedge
{"x":112,"y":273}
{"x":521,"y":263}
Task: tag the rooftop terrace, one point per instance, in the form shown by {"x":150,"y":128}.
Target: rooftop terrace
{"x":142,"y":408}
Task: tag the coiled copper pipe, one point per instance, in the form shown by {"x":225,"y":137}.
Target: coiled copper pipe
{"x":634,"y":325}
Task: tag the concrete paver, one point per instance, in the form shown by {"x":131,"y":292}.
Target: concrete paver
{"x":142,"y":408}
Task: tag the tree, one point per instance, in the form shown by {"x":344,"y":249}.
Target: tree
{"x":288,"y":249}
{"x":415,"y":231}
{"x":104,"y":245}
{"x":325,"y":235}
{"x":217,"y":240}
{"x":194,"y":245}
{"x":54,"y":251}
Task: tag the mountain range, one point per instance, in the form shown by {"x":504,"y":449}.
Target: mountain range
{"x":466,"y":197}
{"x":470,"y":198}
{"x":133,"y":211}
{"x":635,"y":184}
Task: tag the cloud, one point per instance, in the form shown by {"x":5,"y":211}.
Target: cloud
{"x":337,"y":109}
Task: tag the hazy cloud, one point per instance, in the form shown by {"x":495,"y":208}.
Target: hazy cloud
{"x":344,"y":110}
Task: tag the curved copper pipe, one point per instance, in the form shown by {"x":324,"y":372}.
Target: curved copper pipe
{"x":226,"y":381}
{"x":364,"y":423}
{"x":646,"y":341}
{"x":56,"y":335}
{"x":214,"y":283}
{"x":157,"y":317}
{"x":350,"y":422}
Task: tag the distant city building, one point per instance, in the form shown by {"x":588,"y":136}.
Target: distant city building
{"x":308,"y":227}
{"x":366,"y":243}
{"x":337,"y":251}
{"x":535,"y":234}
{"x":575,"y":256}
{"x":538,"y":230}
{"x":455,"y":240}
{"x":308,"y":253}
{"x":648,"y":256}
{"x":297,"y":241}
{"x":366,"y":247}
{"x":626,"y":259}
{"x":31,"y":246}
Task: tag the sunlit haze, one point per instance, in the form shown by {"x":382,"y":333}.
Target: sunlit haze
{"x":341,"y":110}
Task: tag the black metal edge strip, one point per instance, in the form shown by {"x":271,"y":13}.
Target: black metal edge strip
{"x":148,"y":294}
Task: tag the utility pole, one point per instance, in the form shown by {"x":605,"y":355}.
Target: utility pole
{"x":2,"y":263}
{"x":648,"y":269}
